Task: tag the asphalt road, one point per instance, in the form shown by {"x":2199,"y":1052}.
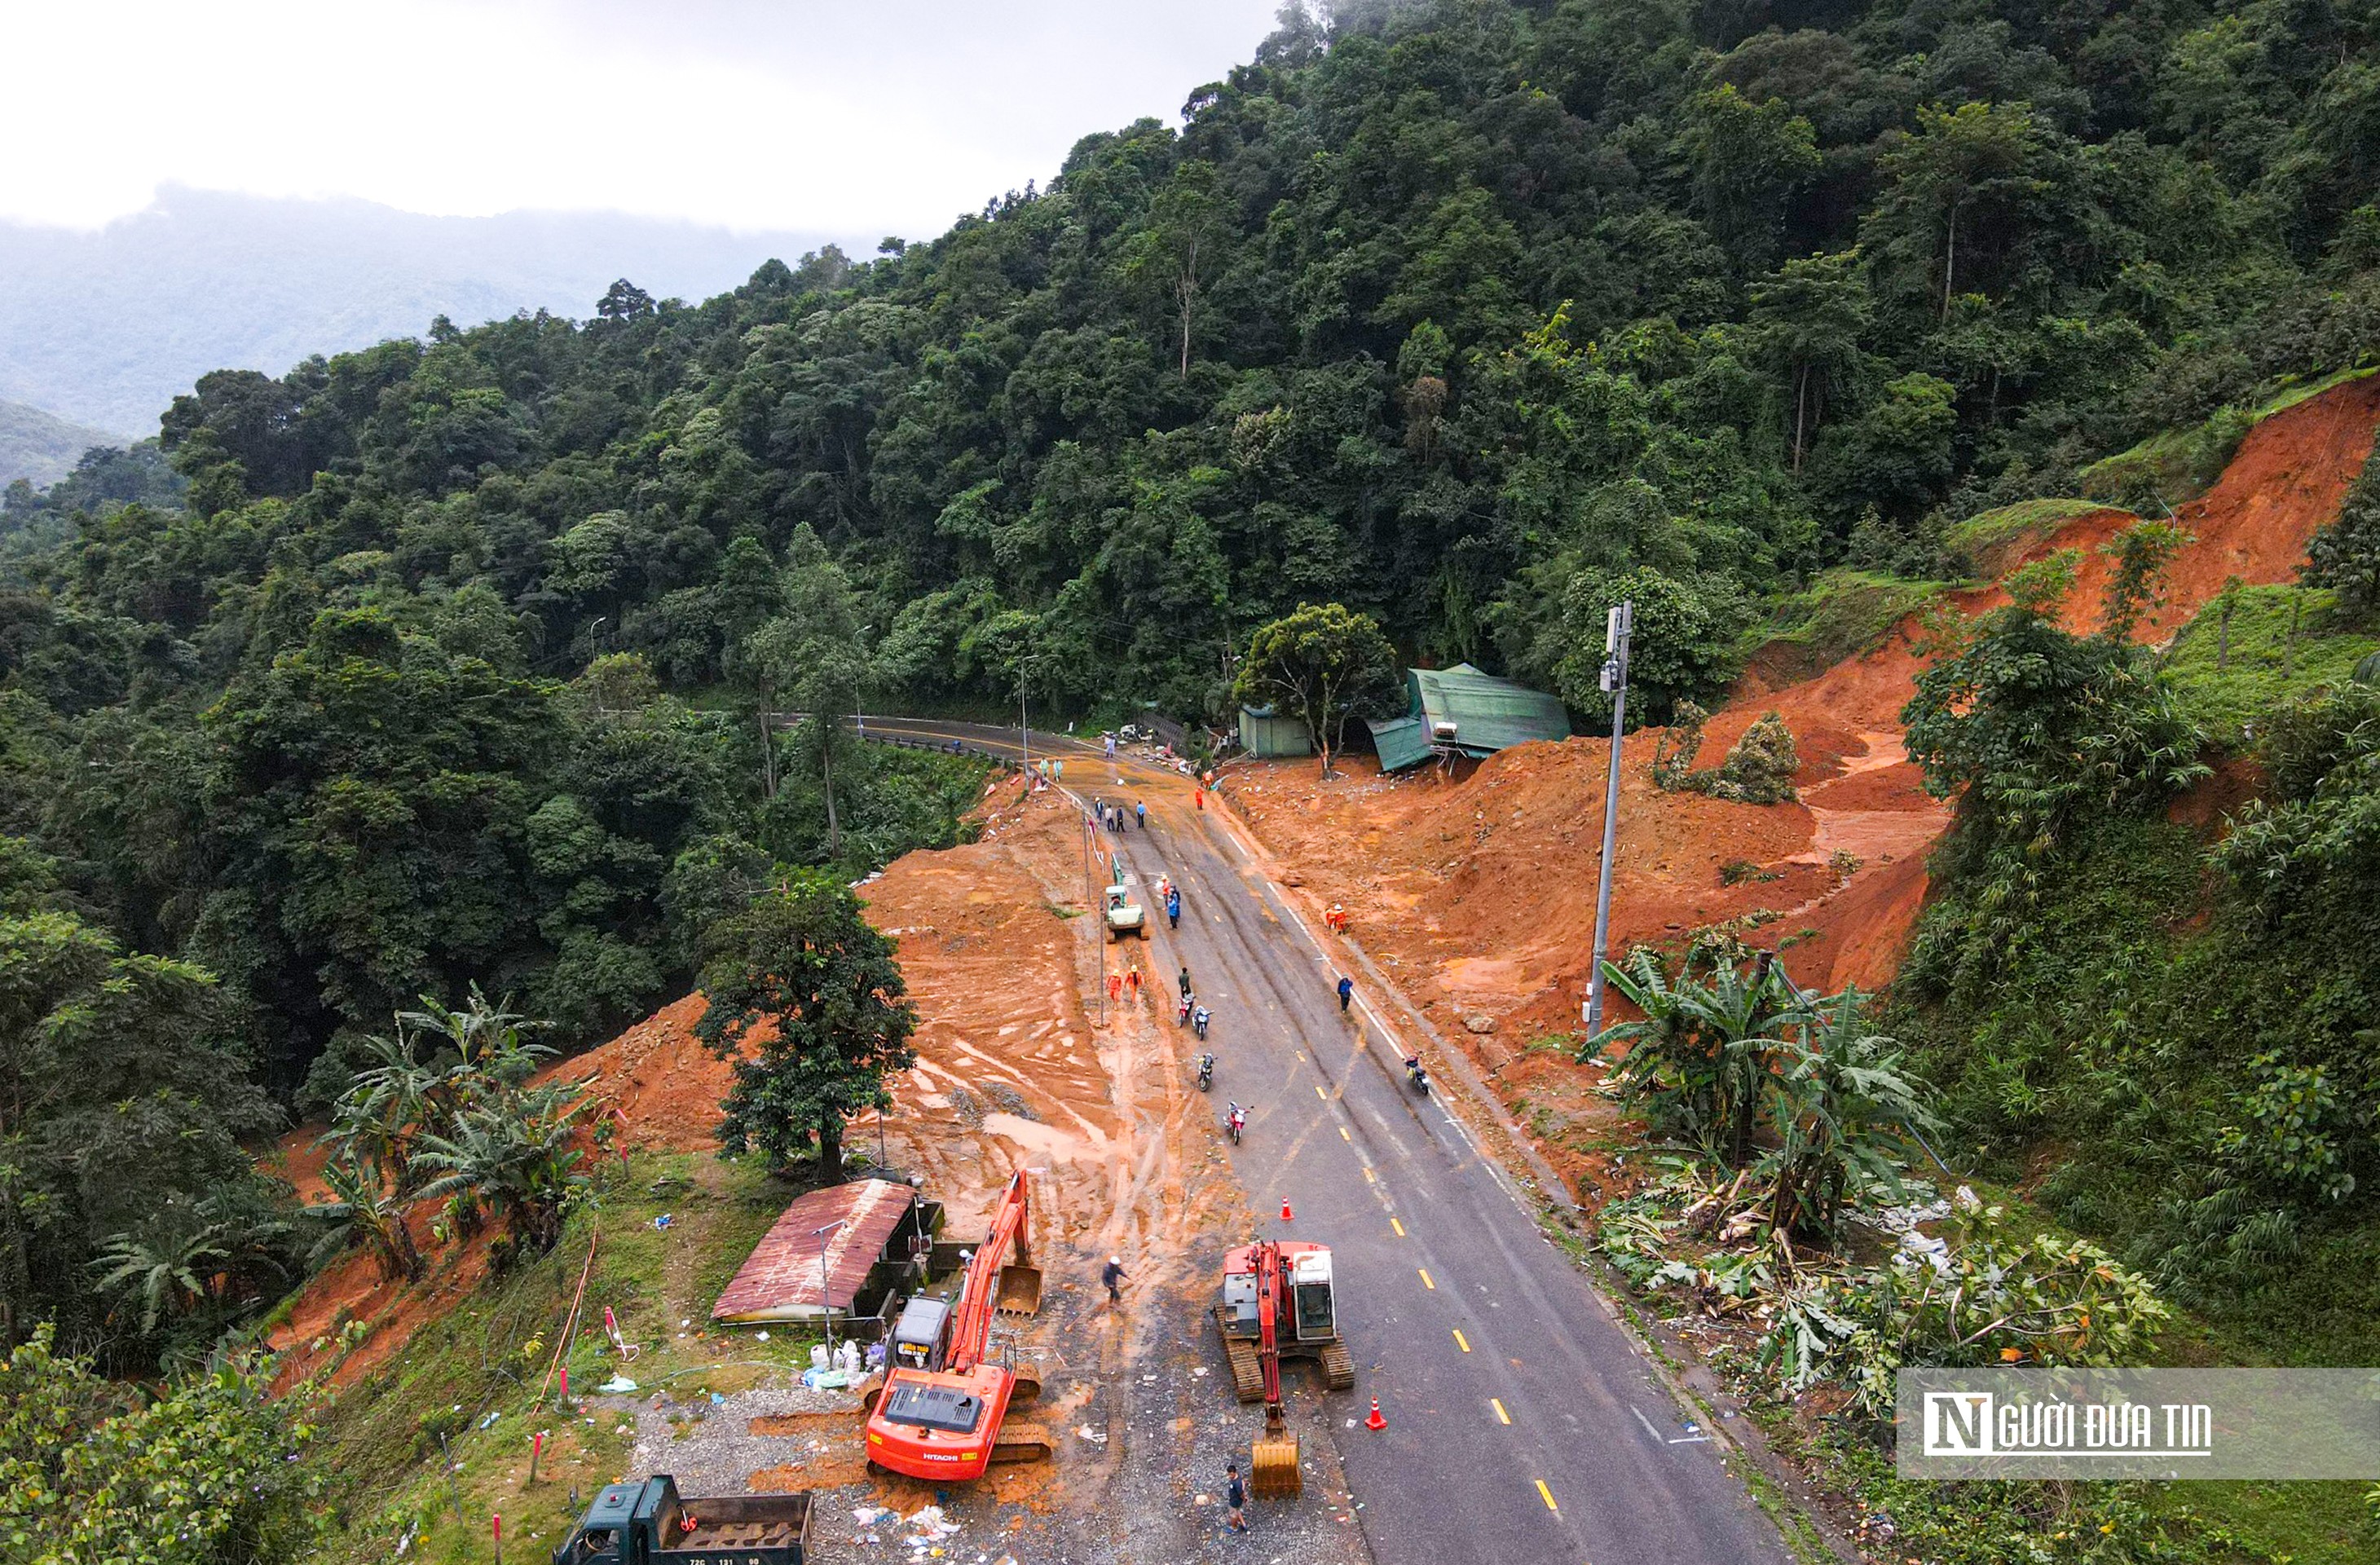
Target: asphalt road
{"x":1523,"y":1422}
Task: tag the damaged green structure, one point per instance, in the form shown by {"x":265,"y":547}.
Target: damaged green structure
{"x":1462,"y":711}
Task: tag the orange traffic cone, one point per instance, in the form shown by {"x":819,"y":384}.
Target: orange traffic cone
{"x":1285,"y":1209}
{"x":1373,"y":1420}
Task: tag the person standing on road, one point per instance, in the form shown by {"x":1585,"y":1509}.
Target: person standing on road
{"x":1346,"y":993}
{"x":1174,"y":908}
{"x":1111,"y":1278}
{"x":1185,"y":983}
{"x":1132,"y":983}
{"x":1141,"y":812}
{"x":1235,"y":1499}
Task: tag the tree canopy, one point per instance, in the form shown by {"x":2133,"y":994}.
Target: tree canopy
{"x":806,"y":998}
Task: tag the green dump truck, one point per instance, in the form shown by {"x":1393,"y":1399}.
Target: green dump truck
{"x":651,"y":1523}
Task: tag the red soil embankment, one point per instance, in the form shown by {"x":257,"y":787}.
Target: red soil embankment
{"x":1478,"y":894}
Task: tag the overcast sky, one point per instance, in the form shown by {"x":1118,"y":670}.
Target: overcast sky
{"x":860,"y":118}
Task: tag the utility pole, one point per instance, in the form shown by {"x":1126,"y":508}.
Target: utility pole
{"x":1024,"y":733}
{"x":1616,"y":632}
{"x":826,"y":1305}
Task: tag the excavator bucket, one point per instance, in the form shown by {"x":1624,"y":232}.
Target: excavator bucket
{"x":1273,"y":1472}
{"x":1020,"y":1288}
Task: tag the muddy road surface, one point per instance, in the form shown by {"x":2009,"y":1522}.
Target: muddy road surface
{"x":1524,"y":1423}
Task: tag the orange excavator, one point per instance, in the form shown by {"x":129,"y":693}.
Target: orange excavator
{"x":943,"y":1413}
{"x":1278,"y":1298}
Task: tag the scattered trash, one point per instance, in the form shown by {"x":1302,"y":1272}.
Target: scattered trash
{"x":1935,"y":1252}
{"x":760,"y":1336}
{"x":1200,"y":1371}
{"x":1097,"y":1437}
{"x":663,"y":1220}
{"x":488,"y":1422}
{"x":618,"y":1386}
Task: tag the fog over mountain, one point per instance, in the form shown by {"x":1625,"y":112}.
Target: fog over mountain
{"x":40,"y":447}
{"x":104,"y":328}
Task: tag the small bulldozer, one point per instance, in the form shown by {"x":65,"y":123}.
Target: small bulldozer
{"x":1278,"y":1302}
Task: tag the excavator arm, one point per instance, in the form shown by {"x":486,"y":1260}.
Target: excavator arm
{"x":991,"y":1280}
{"x":1273,"y":1461}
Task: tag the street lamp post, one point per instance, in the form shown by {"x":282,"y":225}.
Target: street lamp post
{"x":826,"y":1304}
{"x":1616,"y":629}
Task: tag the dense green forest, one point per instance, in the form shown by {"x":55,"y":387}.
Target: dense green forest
{"x":461,"y":659}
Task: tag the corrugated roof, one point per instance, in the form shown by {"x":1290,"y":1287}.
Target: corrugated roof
{"x":784,"y":1279}
{"x":1402,"y":743}
{"x":1487,"y":713}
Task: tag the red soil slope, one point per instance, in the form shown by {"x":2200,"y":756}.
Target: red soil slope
{"x":1478,"y":894}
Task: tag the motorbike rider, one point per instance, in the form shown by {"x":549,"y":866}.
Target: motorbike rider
{"x":1415,"y":1073}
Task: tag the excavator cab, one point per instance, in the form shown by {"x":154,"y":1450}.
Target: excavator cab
{"x":1315,"y":1315}
{"x":921,"y":1337}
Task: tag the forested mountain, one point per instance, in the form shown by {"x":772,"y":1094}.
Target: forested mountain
{"x":38,"y":448}
{"x":452,"y":661}
{"x":106,"y":326}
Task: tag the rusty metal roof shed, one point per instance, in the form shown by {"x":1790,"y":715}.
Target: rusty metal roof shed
{"x":784,"y":1279}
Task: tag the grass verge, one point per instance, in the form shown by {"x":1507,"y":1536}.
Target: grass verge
{"x":473,"y":1375}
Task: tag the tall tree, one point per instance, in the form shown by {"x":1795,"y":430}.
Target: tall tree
{"x":1808,"y":318}
{"x":806,"y":996}
{"x":811,"y":655}
{"x":1321,"y":665}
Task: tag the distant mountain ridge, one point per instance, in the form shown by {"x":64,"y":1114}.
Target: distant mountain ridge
{"x":41,"y":447}
{"x":105,"y":328}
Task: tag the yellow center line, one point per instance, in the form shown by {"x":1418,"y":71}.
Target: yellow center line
{"x":1322,"y":1095}
{"x":1343,"y":1135}
{"x":1547,"y":1496}
{"x":1301,"y":1054}
{"x":1370,"y":1177}
{"x":1502,"y":1416}
{"x":1461,"y":1341}
{"x":1398,"y":1226}
{"x":1425,"y":1279}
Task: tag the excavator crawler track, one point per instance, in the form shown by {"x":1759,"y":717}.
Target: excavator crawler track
{"x":1338,"y":1367}
{"x":1022,"y":1442}
{"x":1247,"y":1372}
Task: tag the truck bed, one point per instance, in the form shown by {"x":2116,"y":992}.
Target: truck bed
{"x":779,"y":1525}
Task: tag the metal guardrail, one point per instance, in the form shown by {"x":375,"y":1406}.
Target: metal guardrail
{"x":940,"y":747}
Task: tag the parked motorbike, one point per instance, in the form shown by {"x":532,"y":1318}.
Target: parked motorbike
{"x":1235,"y":1121}
{"x":1206,"y":1072}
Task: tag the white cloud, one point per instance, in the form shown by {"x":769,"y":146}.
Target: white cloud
{"x":856,"y":118}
